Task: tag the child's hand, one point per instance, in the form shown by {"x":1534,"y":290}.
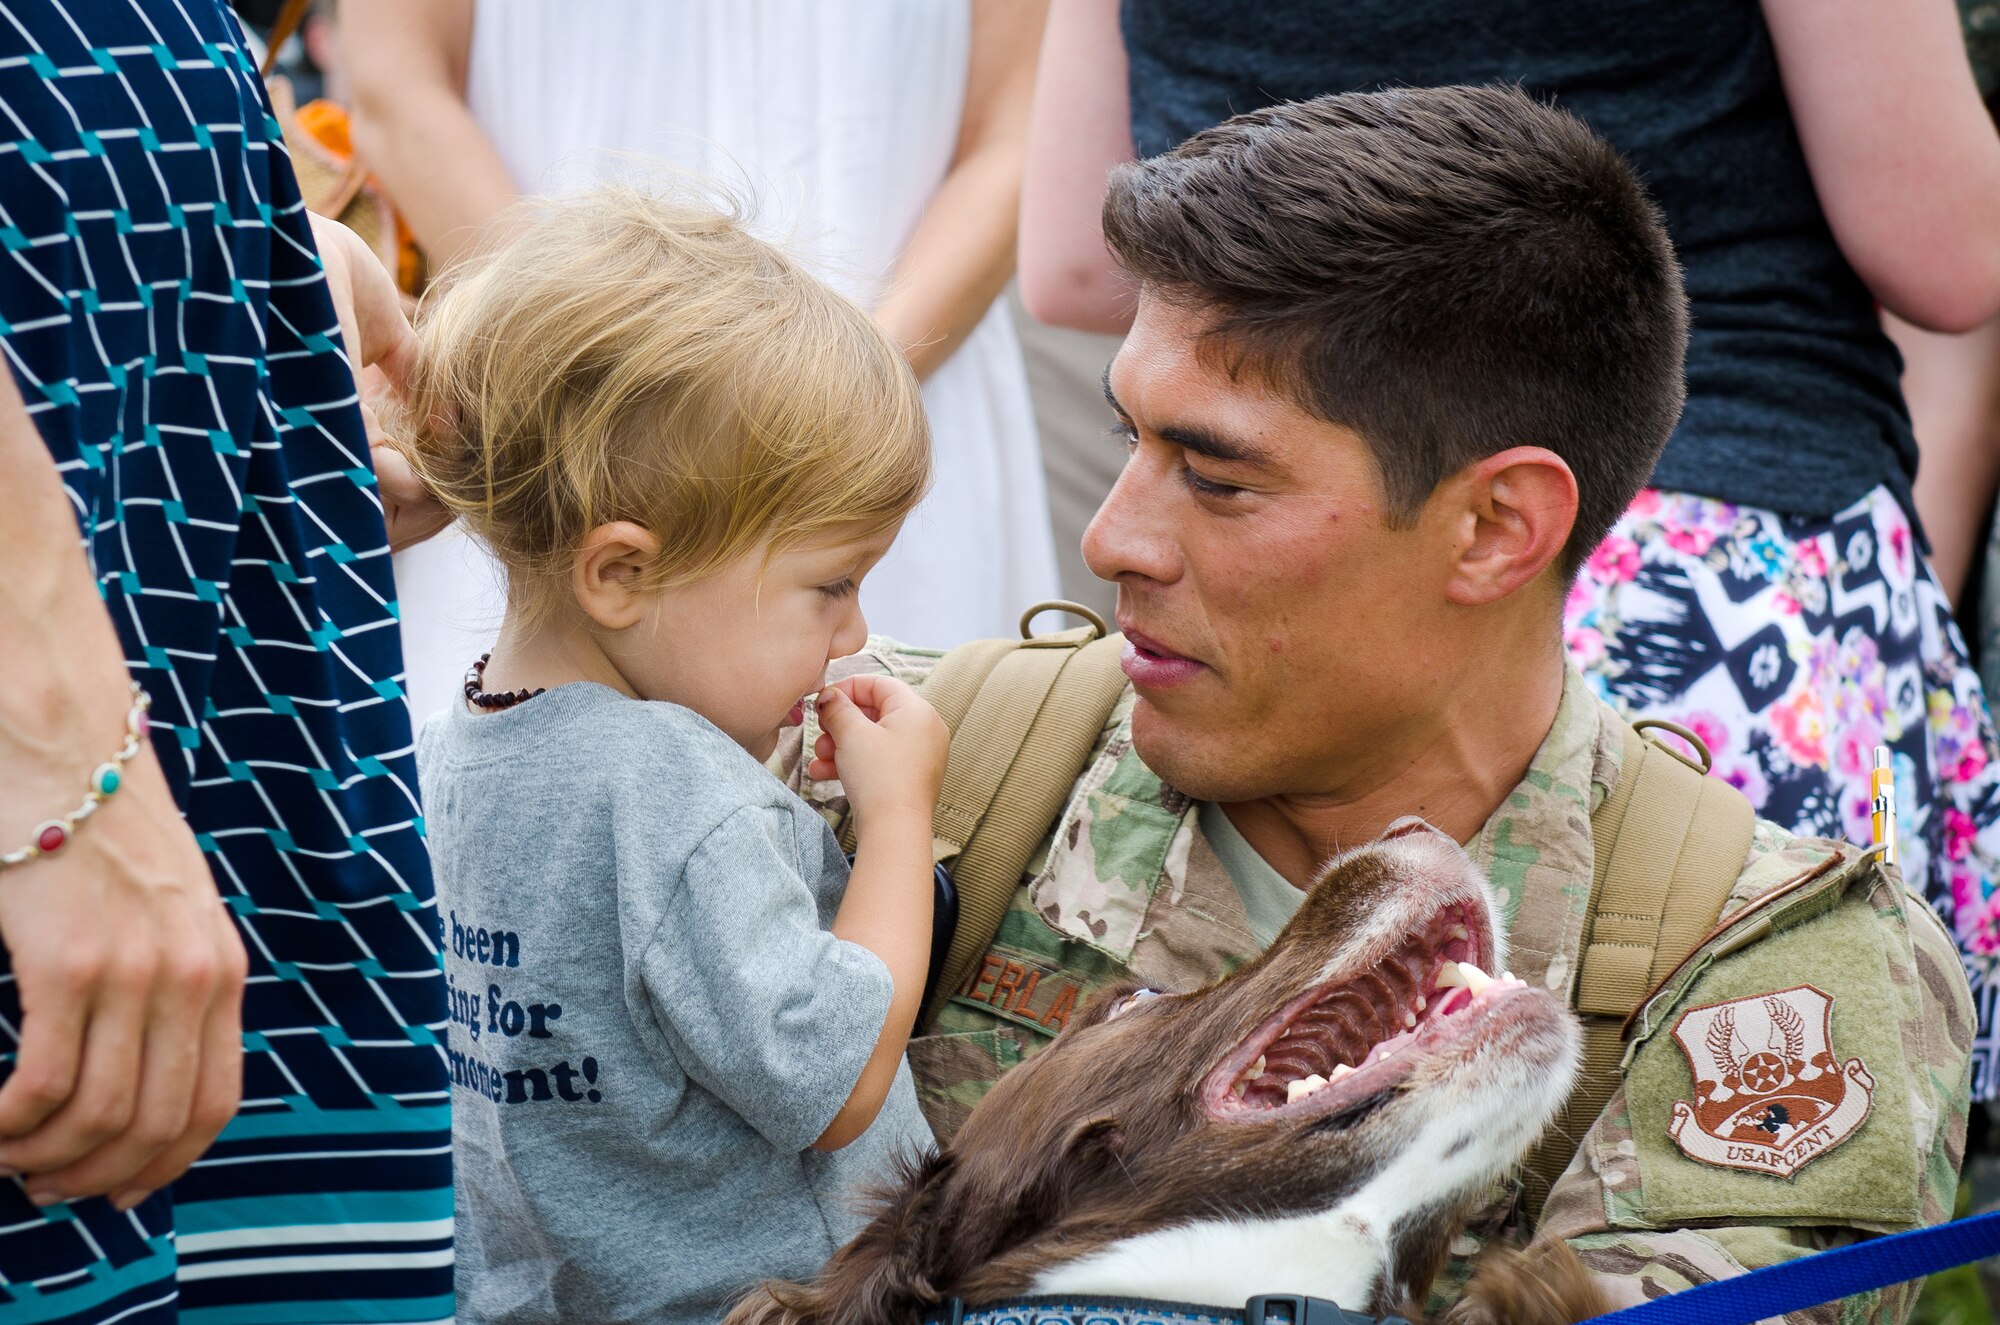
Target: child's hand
{"x":884,"y":743}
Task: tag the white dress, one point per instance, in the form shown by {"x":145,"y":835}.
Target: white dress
{"x":835,"y":120}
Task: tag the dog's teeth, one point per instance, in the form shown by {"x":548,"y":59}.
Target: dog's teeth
{"x":1450,"y":977}
{"x":1460,"y":932}
{"x":1255,"y":1069}
{"x":1238,"y":1089}
{"x":1474,"y":979}
{"x":1298,"y":1090}
{"x":1409,"y":1020}
{"x":1339,"y":1072}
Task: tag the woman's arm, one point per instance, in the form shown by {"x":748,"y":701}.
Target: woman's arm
{"x":1903,"y":155}
{"x":130,"y":972}
{"x":406,"y":65}
{"x":962,"y":251}
{"x":1952,"y":384}
{"x":1080,"y":127}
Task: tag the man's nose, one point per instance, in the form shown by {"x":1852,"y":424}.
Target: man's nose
{"x":1130,"y":534}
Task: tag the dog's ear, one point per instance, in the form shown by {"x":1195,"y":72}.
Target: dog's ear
{"x":1089,"y":1160}
{"x":1093,"y":1144}
{"x":883,"y":1276}
{"x":1005,"y":1234}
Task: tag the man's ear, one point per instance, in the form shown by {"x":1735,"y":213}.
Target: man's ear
{"x":1513,"y":513}
{"x":607,"y":573}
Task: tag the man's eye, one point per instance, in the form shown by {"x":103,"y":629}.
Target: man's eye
{"x":1124,"y":434}
{"x":1208,"y":487}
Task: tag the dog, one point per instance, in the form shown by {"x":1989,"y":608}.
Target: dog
{"x":1320,"y":1122}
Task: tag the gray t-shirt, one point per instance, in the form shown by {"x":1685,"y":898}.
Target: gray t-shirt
{"x":649,"y":1023}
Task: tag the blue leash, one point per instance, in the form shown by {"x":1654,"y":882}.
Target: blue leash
{"x":1821,"y":1277}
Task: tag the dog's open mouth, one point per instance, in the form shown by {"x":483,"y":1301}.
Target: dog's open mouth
{"x":1356,"y":1036}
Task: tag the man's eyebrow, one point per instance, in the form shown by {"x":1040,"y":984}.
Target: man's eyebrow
{"x":1199,"y":440}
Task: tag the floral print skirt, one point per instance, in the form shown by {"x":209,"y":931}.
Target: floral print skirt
{"x":1793,"y":646}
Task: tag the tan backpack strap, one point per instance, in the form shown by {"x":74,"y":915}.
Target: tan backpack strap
{"x":1669,"y":845}
{"x":951,"y":688}
{"x":995,"y":734}
{"x":1024,"y":715}
{"x":1029,"y":734}
{"x":1681,"y":836}
{"x":954,"y":683}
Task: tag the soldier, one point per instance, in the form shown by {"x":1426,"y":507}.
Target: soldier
{"x":1399,"y":360}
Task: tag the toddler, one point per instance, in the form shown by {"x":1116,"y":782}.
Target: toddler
{"x":677,"y":1020}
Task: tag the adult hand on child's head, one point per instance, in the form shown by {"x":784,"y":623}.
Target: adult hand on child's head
{"x":380,"y":349}
{"x":885,"y":744}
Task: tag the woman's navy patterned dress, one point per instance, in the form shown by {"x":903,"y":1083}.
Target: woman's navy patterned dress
{"x":166,"y":318}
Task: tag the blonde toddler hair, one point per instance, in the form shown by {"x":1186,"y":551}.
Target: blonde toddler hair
{"x":631,"y":357}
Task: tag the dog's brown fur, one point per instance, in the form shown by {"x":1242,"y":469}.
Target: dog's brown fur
{"x":1104,"y":1136}
{"x":1543,"y":1285}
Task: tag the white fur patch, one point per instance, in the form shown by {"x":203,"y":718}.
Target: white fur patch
{"x":1342,"y":1253}
{"x":1225,"y":1262}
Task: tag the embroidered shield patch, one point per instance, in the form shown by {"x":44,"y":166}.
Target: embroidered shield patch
{"x":1769,"y":1097}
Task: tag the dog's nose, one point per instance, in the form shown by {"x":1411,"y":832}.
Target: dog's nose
{"x":1408,"y":824}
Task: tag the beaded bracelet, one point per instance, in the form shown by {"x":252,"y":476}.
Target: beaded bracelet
{"x":54,"y":835}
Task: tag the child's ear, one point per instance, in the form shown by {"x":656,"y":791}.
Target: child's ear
{"x":608,"y":567}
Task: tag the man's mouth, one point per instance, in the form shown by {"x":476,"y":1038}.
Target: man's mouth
{"x":1357,"y":1036}
{"x":1152,"y":665}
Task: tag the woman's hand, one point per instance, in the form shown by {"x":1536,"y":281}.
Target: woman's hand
{"x":130,"y":975}
{"x":380,"y":347}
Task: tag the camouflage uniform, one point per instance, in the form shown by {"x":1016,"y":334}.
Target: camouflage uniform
{"x":1128,"y":887}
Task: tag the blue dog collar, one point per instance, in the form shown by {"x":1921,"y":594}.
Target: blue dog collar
{"x":1264,"y":1309}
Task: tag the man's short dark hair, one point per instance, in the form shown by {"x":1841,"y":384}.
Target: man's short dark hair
{"x":1447,"y":271}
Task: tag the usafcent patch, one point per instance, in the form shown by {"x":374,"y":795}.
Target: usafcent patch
{"x":1769,"y":1096}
